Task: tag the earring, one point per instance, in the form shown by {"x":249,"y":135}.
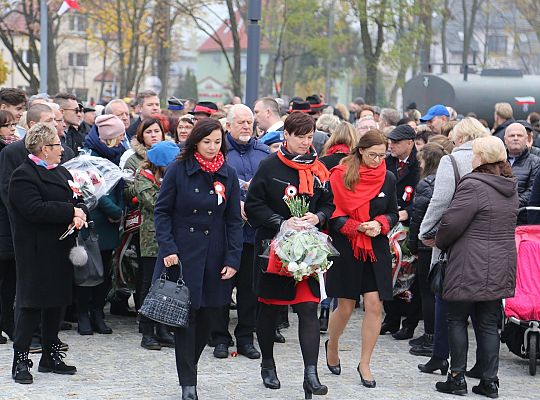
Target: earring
{"x":46,"y":156}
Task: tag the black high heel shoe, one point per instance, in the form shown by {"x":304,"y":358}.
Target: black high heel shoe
{"x":189,"y":393}
{"x":335,"y":369}
{"x":433,"y":365}
{"x":366,"y":383}
{"x":312,"y":385}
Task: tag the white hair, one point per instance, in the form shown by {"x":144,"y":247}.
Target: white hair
{"x":234,"y":109}
{"x":108,"y":107}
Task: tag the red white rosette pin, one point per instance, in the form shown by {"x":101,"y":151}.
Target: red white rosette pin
{"x":290,"y":192}
{"x":219,"y":188}
{"x":407,"y":193}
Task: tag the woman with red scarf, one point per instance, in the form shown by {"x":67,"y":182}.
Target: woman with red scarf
{"x":198,"y":223}
{"x":366,"y":209}
{"x":293,"y":170}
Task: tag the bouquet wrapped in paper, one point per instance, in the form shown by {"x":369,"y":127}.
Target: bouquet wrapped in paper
{"x":93,"y":177}
{"x":303,"y":251}
{"x":403,"y":268}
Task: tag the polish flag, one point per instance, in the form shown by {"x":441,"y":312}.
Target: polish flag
{"x":68,"y":5}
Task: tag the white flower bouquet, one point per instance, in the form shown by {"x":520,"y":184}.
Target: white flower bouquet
{"x":302,"y":252}
{"x":93,"y":177}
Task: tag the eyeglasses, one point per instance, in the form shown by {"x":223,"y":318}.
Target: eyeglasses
{"x":11,"y":125}
{"x":374,"y":156}
{"x":54,"y":144}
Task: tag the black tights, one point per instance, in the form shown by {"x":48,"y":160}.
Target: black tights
{"x":308,"y":330}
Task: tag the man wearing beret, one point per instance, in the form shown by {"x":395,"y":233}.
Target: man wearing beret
{"x":403,"y":164}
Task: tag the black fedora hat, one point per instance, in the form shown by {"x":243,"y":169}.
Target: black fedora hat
{"x":205,"y":107}
{"x":300,"y":106}
{"x":316,"y":103}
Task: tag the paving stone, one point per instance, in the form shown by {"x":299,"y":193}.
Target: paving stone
{"x":115,"y":367}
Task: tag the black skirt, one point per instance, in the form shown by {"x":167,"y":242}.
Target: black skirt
{"x":349,"y":277}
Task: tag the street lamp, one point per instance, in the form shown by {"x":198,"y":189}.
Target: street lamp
{"x":253,"y":52}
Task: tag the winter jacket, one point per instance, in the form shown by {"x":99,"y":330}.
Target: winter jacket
{"x":422,"y":197}
{"x":443,"y":191}
{"x":205,"y":235}
{"x":245,"y":159}
{"x":146,"y":189}
{"x":75,"y":137}
{"x":406,"y":182}
{"x":477,"y":231}
{"x":133,"y":164}
{"x":42,"y":206}
{"x":525,"y":167}
{"x":266,"y":210}
{"x":499,"y":130}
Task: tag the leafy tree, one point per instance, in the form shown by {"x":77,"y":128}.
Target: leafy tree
{"x":187,"y":85}
{"x":20,"y":18}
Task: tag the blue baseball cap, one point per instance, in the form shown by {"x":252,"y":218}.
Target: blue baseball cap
{"x":272,"y":137}
{"x":163,"y":153}
{"x":438,"y":110}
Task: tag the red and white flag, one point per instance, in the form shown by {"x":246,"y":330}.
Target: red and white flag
{"x":68,"y":5}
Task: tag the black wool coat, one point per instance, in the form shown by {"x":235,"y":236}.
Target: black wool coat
{"x":42,"y":206}
{"x":266,"y":210}
{"x":410,"y":179}
{"x":205,"y":236}
{"x":422,"y":198}
{"x":344,"y":278}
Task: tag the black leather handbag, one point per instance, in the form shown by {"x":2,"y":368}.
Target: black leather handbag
{"x":436,"y":274}
{"x":168,"y":302}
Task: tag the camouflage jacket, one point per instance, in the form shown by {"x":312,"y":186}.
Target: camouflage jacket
{"x":147,"y":190}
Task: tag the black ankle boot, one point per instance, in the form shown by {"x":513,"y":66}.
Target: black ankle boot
{"x":84,"y":326}
{"x":189,"y":393}
{"x":163,"y":336}
{"x":148,"y":340}
{"x":488,"y":389}
{"x":453,"y":385}
{"x":312,"y":385}
{"x":20,"y":371}
{"x":52,"y":361}
{"x":269,"y":374}
{"x":433,"y":365}
{"x":323,"y":319}
{"x":98,"y":323}
{"x":425,"y":348}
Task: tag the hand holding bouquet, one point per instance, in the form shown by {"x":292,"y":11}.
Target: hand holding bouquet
{"x":303,"y":251}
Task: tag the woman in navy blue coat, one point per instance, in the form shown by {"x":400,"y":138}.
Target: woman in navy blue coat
{"x":198,"y":223}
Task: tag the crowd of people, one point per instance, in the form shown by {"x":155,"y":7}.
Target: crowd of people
{"x":211,"y":184}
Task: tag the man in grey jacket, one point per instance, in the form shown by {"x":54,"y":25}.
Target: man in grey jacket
{"x":462,"y":135}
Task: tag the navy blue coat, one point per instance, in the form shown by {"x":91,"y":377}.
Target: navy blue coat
{"x":245,"y":159}
{"x":206,"y":237}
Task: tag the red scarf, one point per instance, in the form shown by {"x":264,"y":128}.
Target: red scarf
{"x":306,"y":173}
{"x":150,"y":176}
{"x":338,"y":148}
{"x":355,"y":204}
{"x":210,"y":166}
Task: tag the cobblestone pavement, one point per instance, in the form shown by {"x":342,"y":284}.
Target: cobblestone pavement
{"x":116,"y":367}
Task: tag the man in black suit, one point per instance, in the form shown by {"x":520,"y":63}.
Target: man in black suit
{"x":403,"y":164}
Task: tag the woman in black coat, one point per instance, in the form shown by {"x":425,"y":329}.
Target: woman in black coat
{"x":366,"y":210}
{"x":43,"y":206}
{"x":198,"y":223}
{"x":293,"y":169}
{"x":429,"y":158}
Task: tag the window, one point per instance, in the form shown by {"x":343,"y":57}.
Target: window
{"x":78,"y":23}
{"x":216,"y":58}
{"x":81,"y":94}
{"x":78,"y":59}
{"x":28,"y":57}
{"x":497,"y":44}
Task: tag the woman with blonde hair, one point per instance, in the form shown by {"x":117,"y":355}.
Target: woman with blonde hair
{"x":462,"y":136}
{"x":477,"y":232}
{"x":327,"y":123}
{"x":366,"y":210}
{"x":339,"y":145}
